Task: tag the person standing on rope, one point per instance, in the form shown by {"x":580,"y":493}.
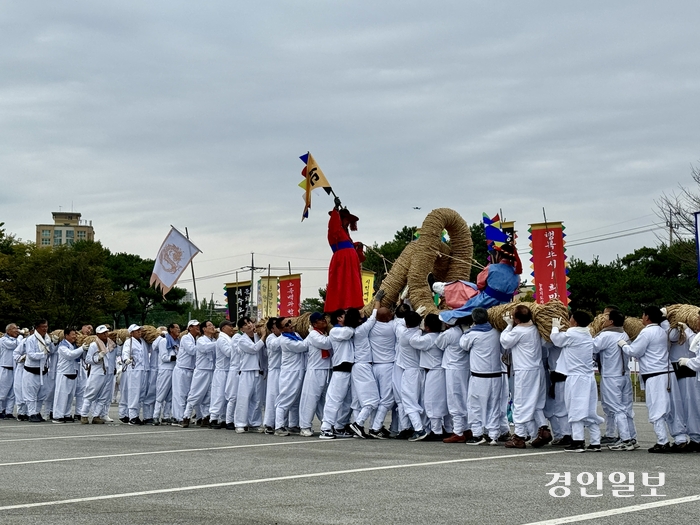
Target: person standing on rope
{"x":344,"y":279}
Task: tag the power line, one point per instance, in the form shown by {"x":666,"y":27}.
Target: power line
{"x":614,"y":224}
{"x":614,"y":237}
{"x":616,"y":232}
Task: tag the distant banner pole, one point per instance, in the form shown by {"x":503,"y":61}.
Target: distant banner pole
{"x":194,"y":283}
{"x":697,"y":243}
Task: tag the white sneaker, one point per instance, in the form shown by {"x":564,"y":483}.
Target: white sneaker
{"x":240,"y":430}
{"x":306,"y":432}
{"x":107,"y":419}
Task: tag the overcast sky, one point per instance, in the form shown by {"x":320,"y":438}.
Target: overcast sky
{"x":144,"y":114}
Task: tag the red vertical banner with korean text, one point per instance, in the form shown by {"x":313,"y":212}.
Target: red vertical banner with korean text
{"x":549,"y":268}
{"x":290,"y":295}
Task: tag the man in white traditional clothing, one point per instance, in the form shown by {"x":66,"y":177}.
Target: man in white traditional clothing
{"x":339,"y":392}
{"x":101,"y":361}
{"x":274,"y":362}
{"x":413,"y":377}
{"x":166,"y":347}
{"x":688,"y":385}
{"x":580,"y":390}
{"x":318,"y":374}
{"x":523,"y":341}
{"x":38,"y":350}
{"x":136,"y":359}
{"x":292,"y":371}
{"x":482,"y":342}
{"x":615,"y":384}
{"x":70,"y":361}
{"x":382,"y":339}
{"x":8,"y":343}
{"x":661,"y":388}
{"x":247,"y":415}
{"x":19,"y":356}
{"x":364,"y":385}
{"x":184,"y":369}
{"x":217,"y":406}
{"x":434,"y":390}
{"x":692,"y":385}
{"x":198,"y":398}
{"x":81,"y":380}
{"x":231,"y":389}
{"x":455,"y":361}
{"x":404,"y":423}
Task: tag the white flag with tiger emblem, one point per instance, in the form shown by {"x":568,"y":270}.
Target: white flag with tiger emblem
{"x":174,"y":255}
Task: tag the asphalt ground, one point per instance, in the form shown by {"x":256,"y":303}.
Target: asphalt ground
{"x":114,"y":473}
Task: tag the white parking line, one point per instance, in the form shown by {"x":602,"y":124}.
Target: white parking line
{"x":615,"y":512}
{"x":79,"y":436}
{"x":154,"y":452}
{"x":269,"y":480}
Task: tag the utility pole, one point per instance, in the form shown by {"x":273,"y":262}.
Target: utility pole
{"x":669,"y":223}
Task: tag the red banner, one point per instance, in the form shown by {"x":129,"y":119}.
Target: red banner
{"x":290,"y":295}
{"x":549,"y":262}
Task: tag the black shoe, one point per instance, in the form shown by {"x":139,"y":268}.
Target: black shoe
{"x":156,"y":422}
{"x":576,"y":446}
{"x":593,"y":448}
{"x":382,"y":433}
{"x":504,"y":437}
{"x":293,"y":430}
{"x":477,"y":440}
{"x":681,"y":448}
{"x":41,"y":418}
{"x":358,"y":430}
{"x":149,"y":421}
{"x":269,"y":431}
{"x":35,"y":418}
{"x":76,"y":417}
{"x":124,"y":420}
{"x":230,"y":426}
{"x":69,"y":419}
{"x":431,"y":281}
{"x":608,"y":440}
{"x":564,"y":441}
{"x":405,"y":434}
{"x":135,"y":422}
{"x":660,"y":449}
{"x":215,"y":424}
{"x":2,"y":415}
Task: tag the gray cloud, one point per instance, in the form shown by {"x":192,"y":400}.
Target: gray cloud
{"x":149,"y":114}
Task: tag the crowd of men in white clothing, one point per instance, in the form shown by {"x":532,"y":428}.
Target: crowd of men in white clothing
{"x":421,"y":379}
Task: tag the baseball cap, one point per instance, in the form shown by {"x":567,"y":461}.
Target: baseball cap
{"x":101,"y":329}
{"x":133,"y":328}
{"x":193,"y":322}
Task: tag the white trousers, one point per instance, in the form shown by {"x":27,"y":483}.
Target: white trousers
{"x":484,"y":406}
{"x":313,"y":396}
{"x":137,"y":387}
{"x":95,"y":389}
{"x":271,"y":393}
{"x":231,"y":392}
{"x":248,"y":403}
{"x":63,"y":396}
{"x":17,"y":387}
{"x":7,"y":394}
{"x":217,"y":406}
{"x":336,"y":400}
{"x":123,"y":395}
{"x":164,"y":393}
{"x":457,"y":389}
{"x":660,"y":403}
{"x":689,"y":388}
{"x":396,"y":384}
{"x":411,"y":396}
{"x":182,"y":380}
{"x":198,"y":397}
{"x":366,"y":391}
{"x":80,"y":384}
{"x":34,"y":392}
{"x":616,"y":400}
{"x":435,"y":400}
{"x":383,"y":375}
{"x":581,"y":396}
{"x":528,"y":401}
{"x":290,"y":391}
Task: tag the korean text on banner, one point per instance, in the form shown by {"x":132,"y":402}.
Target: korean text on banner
{"x":367,"y":285}
{"x":174,"y":255}
{"x":267,"y":297}
{"x":238,"y":295}
{"x":549,"y":262}
{"x":290,"y":295}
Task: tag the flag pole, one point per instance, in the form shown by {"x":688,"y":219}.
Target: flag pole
{"x":194,"y":282}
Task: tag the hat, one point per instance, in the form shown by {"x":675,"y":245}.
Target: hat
{"x":133,"y":328}
{"x":101,"y":329}
{"x":315,"y":317}
{"x":193,"y":322}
